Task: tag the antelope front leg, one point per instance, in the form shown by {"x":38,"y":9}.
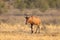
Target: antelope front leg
{"x":31,"y":28}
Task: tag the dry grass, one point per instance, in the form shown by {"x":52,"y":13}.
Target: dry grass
{"x":22,"y":32}
{"x":14,"y":28}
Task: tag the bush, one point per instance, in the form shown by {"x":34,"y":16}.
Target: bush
{"x":2,"y":7}
{"x":32,"y":4}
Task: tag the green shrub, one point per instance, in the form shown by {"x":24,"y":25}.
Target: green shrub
{"x":2,"y":7}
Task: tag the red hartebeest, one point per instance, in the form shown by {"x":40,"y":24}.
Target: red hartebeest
{"x":33,"y":20}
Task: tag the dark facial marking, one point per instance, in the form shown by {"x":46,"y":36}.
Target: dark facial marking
{"x":26,"y":19}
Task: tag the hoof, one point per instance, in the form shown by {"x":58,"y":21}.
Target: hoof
{"x":31,"y":32}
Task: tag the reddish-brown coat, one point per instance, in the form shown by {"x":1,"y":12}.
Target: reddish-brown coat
{"x":34,"y":20}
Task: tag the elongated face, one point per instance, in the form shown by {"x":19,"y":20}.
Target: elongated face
{"x":26,"y":19}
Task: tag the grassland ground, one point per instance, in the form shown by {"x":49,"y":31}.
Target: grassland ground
{"x":23,"y":36}
{"x":12,"y":27}
{"x":22,"y":32}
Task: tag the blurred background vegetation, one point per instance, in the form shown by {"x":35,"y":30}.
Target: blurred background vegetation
{"x":29,"y":4}
{"x":12,"y":12}
{"x":37,"y":7}
{"x":42,"y":4}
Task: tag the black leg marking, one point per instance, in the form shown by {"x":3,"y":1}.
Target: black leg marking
{"x":31,"y":28}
